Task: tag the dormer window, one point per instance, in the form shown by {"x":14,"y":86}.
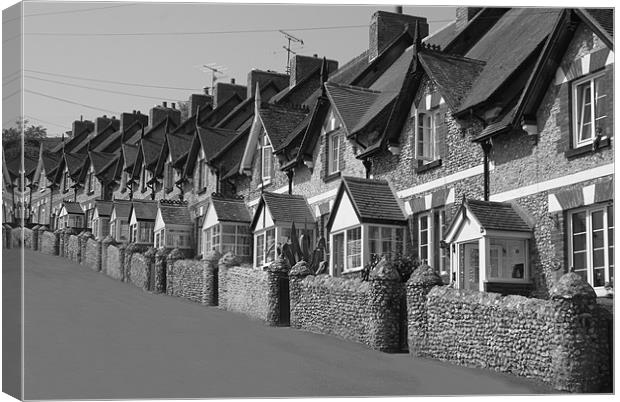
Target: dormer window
{"x":588,"y":109}
{"x":267,"y":162}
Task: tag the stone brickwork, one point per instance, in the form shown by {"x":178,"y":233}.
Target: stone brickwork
{"x":192,"y":280}
{"x":27,"y":234}
{"x":159,"y":275}
{"x":91,"y":256}
{"x":140,"y":270}
{"x":49,"y":243}
{"x":246,"y":292}
{"x":562,"y":341}
{"x":73,"y":248}
{"x":365,"y":312}
{"x":16,"y":237}
{"x":35,"y":238}
{"x":113,"y":262}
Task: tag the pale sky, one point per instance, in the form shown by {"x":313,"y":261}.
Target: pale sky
{"x":165,"y":60}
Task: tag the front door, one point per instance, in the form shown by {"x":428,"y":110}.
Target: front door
{"x":470,"y":266}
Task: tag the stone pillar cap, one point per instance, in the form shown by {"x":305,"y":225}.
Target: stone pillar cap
{"x":570,"y":286}
{"x":300,"y":269}
{"x":150,"y":252}
{"x":425,"y":275}
{"x":213,"y":255}
{"x":229,"y":259}
{"x":384,"y":271}
{"x":108,"y":240}
{"x":175,"y":254}
{"x":281,"y":264}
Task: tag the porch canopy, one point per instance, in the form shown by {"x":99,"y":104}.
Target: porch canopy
{"x":142,"y":221}
{"x":226,"y":227}
{"x":101,"y":218}
{"x":173,"y":225}
{"x":71,"y":215}
{"x":273,"y":220}
{"x":489,"y":247}
{"x":119,"y":220}
{"x":367,"y":221}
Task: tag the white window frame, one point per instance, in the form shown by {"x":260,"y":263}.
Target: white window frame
{"x":393,"y":251}
{"x":266,"y":155}
{"x":432,"y":248}
{"x":335,"y":145}
{"x":346,"y":256}
{"x":429,"y":130}
{"x":169,"y":176}
{"x":263,"y":234}
{"x":577,"y":112}
{"x":42,"y":182}
{"x":608,"y":271}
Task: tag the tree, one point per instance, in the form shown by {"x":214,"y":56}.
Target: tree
{"x":12,"y":144}
{"x":184,"y":108}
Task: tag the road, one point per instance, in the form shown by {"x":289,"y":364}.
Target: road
{"x":89,"y":336}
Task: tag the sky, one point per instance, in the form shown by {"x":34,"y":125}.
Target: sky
{"x":69,"y":46}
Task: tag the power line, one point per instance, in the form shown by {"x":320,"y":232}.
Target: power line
{"x":68,"y":12}
{"x":112,"y":82}
{"x":11,"y":80}
{"x":100,"y":89}
{"x":12,"y":94}
{"x":45,"y":121}
{"x":71,"y":102}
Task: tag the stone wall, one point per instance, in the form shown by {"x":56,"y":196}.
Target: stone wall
{"x":562,"y":341}
{"x":367,"y":312}
{"x":92,"y":255}
{"x":16,"y":237}
{"x":73,"y":248}
{"x":140,"y":270}
{"x":48,"y":243}
{"x":113,"y":262}
{"x":246,"y":291}
{"x":27,"y":235}
{"x":192,"y":280}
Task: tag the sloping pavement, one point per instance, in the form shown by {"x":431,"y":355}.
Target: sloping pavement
{"x":89,"y":336}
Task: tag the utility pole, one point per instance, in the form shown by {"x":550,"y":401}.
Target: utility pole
{"x":215,"y":69}
{"x":288,"y":49}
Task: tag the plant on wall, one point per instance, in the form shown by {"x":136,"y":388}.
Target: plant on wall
{"x":404,"y":264}
{"x":300,"y":249}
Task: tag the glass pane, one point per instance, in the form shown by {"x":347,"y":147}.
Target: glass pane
{"x":338,"y":251}
{"x":598,"y":258}
{"x":597,"y":220}
{"x":579,"y":260}
{"x":599,"y":277}
{"x":374,"y":232}
{"x":583,"y":274}
{"x":423,"y":222}
{"x":610,"y":216}
{"x":599,"y":108}
{"x":579,"y":222}
{"x":598,"y":239}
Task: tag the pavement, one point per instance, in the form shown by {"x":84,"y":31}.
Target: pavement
{"x":89,"y":336}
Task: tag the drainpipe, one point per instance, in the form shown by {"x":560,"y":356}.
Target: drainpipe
{"x":368,"y":166}
{"x":486,"y":149}
{"x":51,"y":187}
{"x":289,"y":174}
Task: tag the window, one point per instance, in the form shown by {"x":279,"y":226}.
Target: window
{"x":431,"y":227}
{"x":95,"y":227}
{"x":428,"y":123}
{"x":65,"y":182}
{"x":143,"y":179}
{"x":146,"y":232}
{"x":202,"y":175}
{"x":588,"y":109}
{"x":385,"y":241}
{"x":113,"y":230}
{"x":104,"y":227}
{"x":334,"y":152}
{"x":591,"y":244}
{"x":265,"y":247}
{"x":124,"y":234}
{"x":267,"y":162}
{"x":176,"y":238}
{"x":157,"y":237}
{"x":89,"y":216}
{"x":354,"y":248}
{"x":347,"y":250}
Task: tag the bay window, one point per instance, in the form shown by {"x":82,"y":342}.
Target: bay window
{"x":589,"y":109}
{"x":591,"y":243}
{"x":225,"y":237}
{"x":431,"y":228}
{"x":385,"y":241}
{"x":265,"y":247}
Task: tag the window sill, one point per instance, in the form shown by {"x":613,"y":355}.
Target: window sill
{"x":332,"y":176}
{"x":428,"y":166}
{"x":91,"y":192}
{"x":587,"y":149}
{"x":264,"y":184}
{"x":352,"y":270}
{"x":201,"y":192}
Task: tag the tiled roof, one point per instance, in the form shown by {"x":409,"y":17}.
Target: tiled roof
{"x":497,"y":216}
{"x":286,"y":208}
{"x":110,"y":173}
{"x":502,"y":123}
{"x":173,"y":214}
{"x":14,"y":166}
{"x":230,"y":210}
{"x":150,"y":151}
{"x":101,"y":160}
{"x":442,"y":37}
{"x":50,"y":161}
{"x":50,"y":143}
{"x":145,"y":210}
{"x":229,"y":158}
{"x":122,"y":208}
{"x":104,"y":208}
{"x":453,"y":75}
{"x":289,"y":93}
{"x":373,"y":200}
{"x":178,"y":145}
{"x":604,"y":17}
{"x":351,"y":103}
{"x":130,"y":152}
{"x":296,"y":134}
{"x":213,"y":139}
{"x":110,"y":143}
{"x":279,"y":121}
{"x":75,"y":162}
{"x":72,"y":207}
{"x":350,"y":70}
{"x":506,"y":46}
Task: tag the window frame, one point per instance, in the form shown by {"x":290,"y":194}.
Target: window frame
{"x":382,"y":241}
{"x":265,"y":253}
{"x":267,"y":148}
{"x":432,"y":248}
{"x":333,"y":161}
{"x":346,"y":257}
{"x":576,"y":128}
{"x":607,"y":248}
{"x":434,"y":116}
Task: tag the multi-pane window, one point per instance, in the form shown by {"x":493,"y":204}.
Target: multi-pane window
{"x":89,"y":217}
{"x":228,"y":237}
{"x":124,"y":231}
{"x":588,"y":109}
{"x":158,"y":236}
{"x":65,"y":182}
{"x":42,"y":182}
{"x":354,"y":248}
{"x":431,"y":227}
{"x":177,"y":238}
{"x":591,"y":244}
{"x":428,"y":123}
{"x":267,"y":159}
{"x":385,"y":241}
{"x":265,"y":247}
{"x":335,"y":148}
{"x":146,"y":232}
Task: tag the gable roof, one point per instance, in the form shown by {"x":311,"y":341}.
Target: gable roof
{"x":230,"y":209}
{"x":174,"y":213}
{"x":104,"y":208}
{"x":284,"y":208}
{"x":373,"y":201}
{"x":101,"y":160}
{"x":150,"y":151}
{"x":279,"y":121}
{"x":74,"y":162}
{"x":130,"y":153}
{"x":122,"y":208}
{"x":72,"y":207}
{"x":601,"y":21}
{"x":145,"y":210}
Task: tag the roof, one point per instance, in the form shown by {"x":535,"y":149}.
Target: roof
{"x":497,"y":216}
{"x":104,"y":208}
{"x":50,"y":143}
{"x":230,"y":209}
{"x":145,"y":210}
{"x":279,"y":121}
{"x":350,"y":70}
{"x":72,"y":207}
{"x":130,"y":152}
{"x":178,"y":145}
{"x":75,"y":162}
{"x":505,"y":47}
{"x":373,"y":200}
{"x":101,"y":160}
{"x":174,"y":213}
{"x":150,"y":151}
{"x":604,"y":17}
{"x":213,"y":139}
{"x":442,"y":37}
{"x":50,"y":161}
{"x":285,"y":208}
{"x":122,"y":208}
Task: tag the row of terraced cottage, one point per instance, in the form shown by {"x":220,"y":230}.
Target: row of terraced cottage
{"x":482,"y":152}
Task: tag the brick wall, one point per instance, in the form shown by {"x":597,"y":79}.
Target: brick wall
{"x":193,"y":280}
{"x":246,"y":291}
{"x":113,"y":262}
{"x":140,"y":270}
{"x":49,"y":243}
{"x":562,"y":341}
{"x":92,"y":255}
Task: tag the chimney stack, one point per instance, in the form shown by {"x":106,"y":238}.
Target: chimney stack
{"x":464,"y":15}
{"x":198,"y":101}
{"x":127,"y":119}
{"x":79,"y":126}
{"x":398,"y":9}
{"x":301,"y":66}
{"x":263,"y":77}
{"x":386,"y":26}
{"x":159,"y":113}
{"x":224,"y":90}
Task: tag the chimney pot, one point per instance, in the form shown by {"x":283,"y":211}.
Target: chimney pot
{"x":399,"y":9}
{"x":105,"y":117}
{"x":165,"y":104}
{"x":232,"y":80}
{"x":316,"y":55}
{"x":173,"y":105}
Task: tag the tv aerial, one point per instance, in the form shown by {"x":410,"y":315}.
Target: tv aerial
{"x":288,"y":49}
{"x":214,"y":69}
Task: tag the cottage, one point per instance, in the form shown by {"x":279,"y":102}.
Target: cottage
{"x":173,"y":225}
{"x":142,"y":222}
{"x":101,"y":219}
{"x":71,"y":216}
{"x":226,"y":227}
{"x":119,"y":220}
